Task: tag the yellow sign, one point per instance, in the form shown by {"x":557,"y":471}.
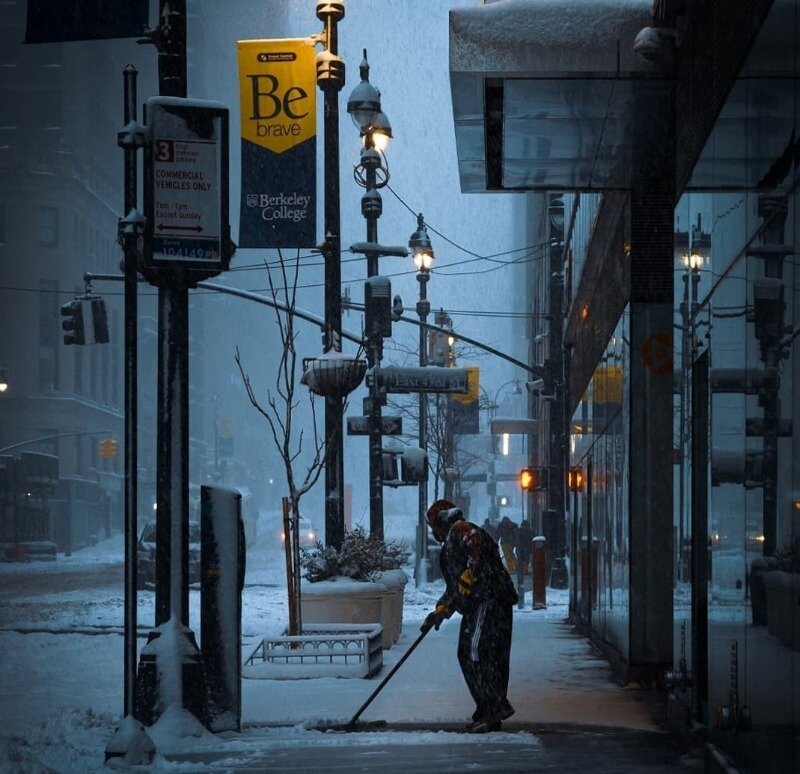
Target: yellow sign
{"x":607,"y":383}
{"x":277,"y":90}
{"x":473,"y":382}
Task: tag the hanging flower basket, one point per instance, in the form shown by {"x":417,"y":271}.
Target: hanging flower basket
{"x":334,"y":374}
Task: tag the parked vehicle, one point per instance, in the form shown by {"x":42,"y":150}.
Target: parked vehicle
{"x":308,"y":534}
{"x":146,"y":555}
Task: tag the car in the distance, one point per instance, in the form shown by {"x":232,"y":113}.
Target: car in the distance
{"x":146,"y":555}
{"x":308,"y":534}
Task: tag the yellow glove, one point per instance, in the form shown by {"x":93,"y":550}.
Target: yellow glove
{"x":435,"y":618}
{"x":466,"y":582}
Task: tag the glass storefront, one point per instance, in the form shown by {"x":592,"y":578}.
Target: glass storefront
{"x":599,"y":448}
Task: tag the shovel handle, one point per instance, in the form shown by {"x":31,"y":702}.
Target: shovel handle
{"x":388,"y":677}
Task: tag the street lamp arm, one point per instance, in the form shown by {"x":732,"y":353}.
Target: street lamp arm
{"x":246,"y":295}
{"x":52,"y":438}
{"x":259,"y":299}
{"x":536,"y":370}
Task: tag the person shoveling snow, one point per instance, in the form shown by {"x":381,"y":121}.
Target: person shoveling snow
{"x":480,"y":588}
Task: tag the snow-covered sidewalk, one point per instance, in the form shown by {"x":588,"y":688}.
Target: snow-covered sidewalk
{"x":556,"y":677}
{"x":61,"y":692}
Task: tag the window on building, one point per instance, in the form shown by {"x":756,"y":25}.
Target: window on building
{"x":78,"y":365}
{"x":94,"y":376}
{"x":48,"y":335}
{"x":47,"y":227}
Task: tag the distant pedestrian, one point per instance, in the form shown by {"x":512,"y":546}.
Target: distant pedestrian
{"x":524,"y":546}
{"x":479,"y":588}
{"x":507,"y":537}
{"x":524,"y":553}
{"x":489,"y":528}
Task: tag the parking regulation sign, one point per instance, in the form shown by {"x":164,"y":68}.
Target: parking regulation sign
{"x":186,"y":185}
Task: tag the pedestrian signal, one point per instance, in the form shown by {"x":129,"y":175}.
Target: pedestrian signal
{"x":575,"y":479}
{"x":108,"y":449}
{"x":527,"y":479}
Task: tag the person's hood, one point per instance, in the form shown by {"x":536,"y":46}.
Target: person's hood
{"x":441,"y":516}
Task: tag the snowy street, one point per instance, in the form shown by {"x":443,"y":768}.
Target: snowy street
{"x":61,"y":692}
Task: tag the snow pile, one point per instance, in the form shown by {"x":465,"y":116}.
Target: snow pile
{"x":67,"y":739}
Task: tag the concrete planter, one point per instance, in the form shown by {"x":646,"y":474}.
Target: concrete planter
{"x":342,"y":600}
{"x":395,"y":582}
{"x":783,"y":606}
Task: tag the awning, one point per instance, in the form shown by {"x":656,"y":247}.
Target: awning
{"x":544,"y":92}
{"x":548,"y":94}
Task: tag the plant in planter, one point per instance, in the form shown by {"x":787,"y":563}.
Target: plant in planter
{"x":360,"y":583}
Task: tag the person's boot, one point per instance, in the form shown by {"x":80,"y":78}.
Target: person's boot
{"x":478,"y":716}
{"x":486,"y":725}
{"x":506,"y":710}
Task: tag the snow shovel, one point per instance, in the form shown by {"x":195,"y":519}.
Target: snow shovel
{"x":350,"y":726}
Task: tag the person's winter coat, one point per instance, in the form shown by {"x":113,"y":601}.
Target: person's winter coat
{"x":468,"y":547}
{"x":524,"y":541}
{"x":479,"y":587}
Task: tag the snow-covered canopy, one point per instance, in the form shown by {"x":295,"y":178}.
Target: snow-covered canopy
{"x":558,"y":81}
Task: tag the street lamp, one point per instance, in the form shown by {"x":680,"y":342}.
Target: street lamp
{"x":422,"y":254}
{"x":3,"y":381}
{"x":372,"y":173}
{"x":330,"y":79}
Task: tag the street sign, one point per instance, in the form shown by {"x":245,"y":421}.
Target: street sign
{"x":501,"y":425}
{"x":186,"y":186}
{"x":389,"y":425}
{"x":422,"y":379}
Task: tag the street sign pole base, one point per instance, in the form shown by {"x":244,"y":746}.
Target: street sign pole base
{"x":131,"y":744}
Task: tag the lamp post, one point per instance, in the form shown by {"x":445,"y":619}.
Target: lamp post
{"x":364,"y":107}
{"x":422,"y":252}
{"x":691,"y":256}
{"x":3,"y":381}
{"x":330,"y":79}
{"x":553,"y":526}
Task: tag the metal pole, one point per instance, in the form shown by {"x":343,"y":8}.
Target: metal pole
{"x":172,"y":482}
{"x":371,"y":207}
{"x":423,"y":307}
{"x":330,"y":79}
{"x":131,"y":408}
{"x":684,"y":394}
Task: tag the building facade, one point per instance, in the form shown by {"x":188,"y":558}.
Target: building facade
{"x":668,"y":128}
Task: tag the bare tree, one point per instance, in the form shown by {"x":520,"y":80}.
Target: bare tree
{"x":278,"y":411}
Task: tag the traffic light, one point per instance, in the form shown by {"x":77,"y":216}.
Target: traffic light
{"x":438,"y":348}
{"x":74,"y":323}
{"x":99,"y":321}
{"x":108,"y":449}
{"x":575,"y":479}
{"x":414,"y":466}
{"x":527,"y":479}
